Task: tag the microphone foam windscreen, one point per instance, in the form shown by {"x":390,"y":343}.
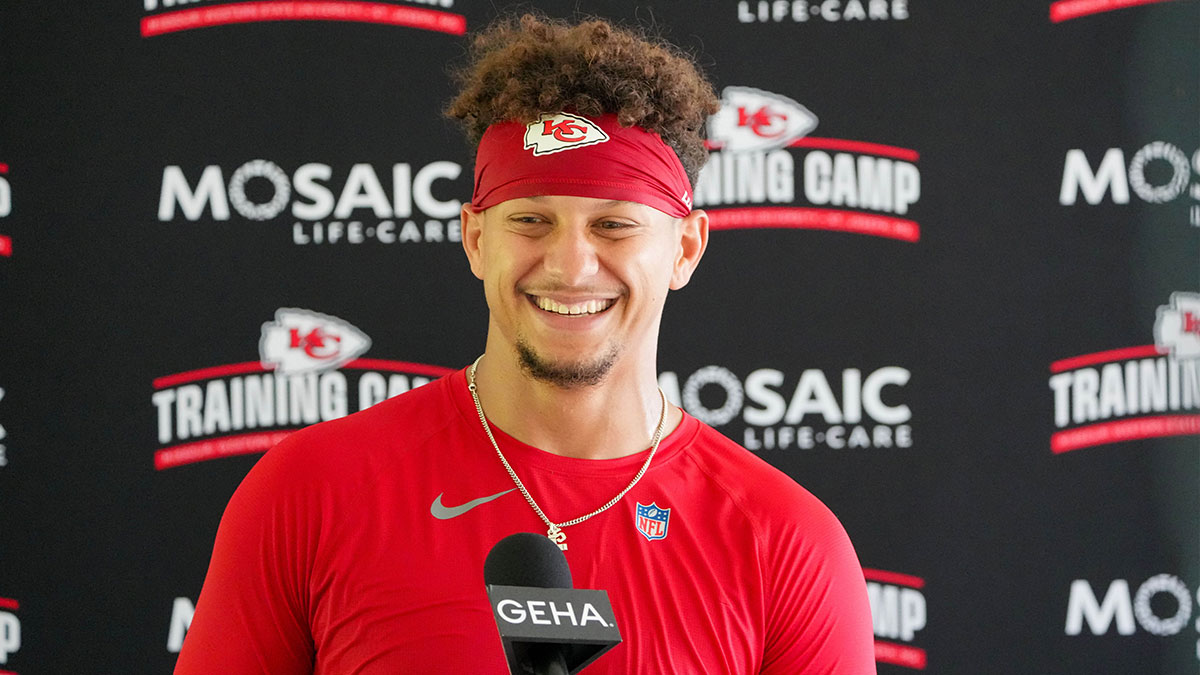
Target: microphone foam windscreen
{"x":527,"y":559}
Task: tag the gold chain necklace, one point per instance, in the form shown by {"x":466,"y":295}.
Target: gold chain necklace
{"x":555,"y":533}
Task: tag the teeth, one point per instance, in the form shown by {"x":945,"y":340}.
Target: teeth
{"x":589,"y":307}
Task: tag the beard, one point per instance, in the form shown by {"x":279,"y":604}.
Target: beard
{"x":566,"y":375}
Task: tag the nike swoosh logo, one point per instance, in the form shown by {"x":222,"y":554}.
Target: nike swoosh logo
{"x":441,"y":512}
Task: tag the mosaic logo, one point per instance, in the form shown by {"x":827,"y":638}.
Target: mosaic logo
{"x":1157,"y":173}
{"x":1161,"y":606}
{"x":770,"y":409}
{"x":326,"y":205}
{"x":821,"y":11}
{"x":766,"y":172}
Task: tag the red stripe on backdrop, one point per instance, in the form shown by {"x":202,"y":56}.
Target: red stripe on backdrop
{"x":9,"y":603}
{"x":304,"y":10}
{"x":1104,"y":357}
{"x":228,"y":446}
{"x":1073,"y":9}
{"x":208,"y":373}
{"x":900,"y":655}
{"x":3,"y":168}
{"x":399,"y":367}
{"x":257,"y":367}
{"x":5,"y":245}
{"x":862,"y":147}
{"x":1124,"y":430}
{"x":7,"y":672}
{"x":896,"y":578}
{"x":807,"y":218}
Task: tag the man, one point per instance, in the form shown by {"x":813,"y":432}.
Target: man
{"x":358,"y":545}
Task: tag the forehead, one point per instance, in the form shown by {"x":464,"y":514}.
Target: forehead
{"x":565,"y":204}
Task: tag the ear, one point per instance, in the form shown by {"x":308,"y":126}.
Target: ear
{"x":472,"y":235}
{"x":693,"y":239}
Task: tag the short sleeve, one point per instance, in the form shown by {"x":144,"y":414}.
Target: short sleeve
{"x":819,"y":616}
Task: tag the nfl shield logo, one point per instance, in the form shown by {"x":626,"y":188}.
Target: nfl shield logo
{"x":652,"y":521}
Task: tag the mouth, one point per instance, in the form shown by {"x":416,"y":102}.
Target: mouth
{"x":582,"y":308}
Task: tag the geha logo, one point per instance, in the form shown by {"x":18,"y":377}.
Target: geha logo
{"x":551,"y":133}
{"x":10,"y":631}
{"x":751,"y":181}
{"x":1167,"y":163}
{"x":1064,"y":10}
{"x":828,"y":11}
{"x":310,"y":370}
{"x":898,"y":612}
{"x":1132,"y":393}
{"x":218,"y":13}
{"x":548,"y":613}
{"x":1122,"y":608}
{"x":782,"y":411}
{"x":362,"y":211}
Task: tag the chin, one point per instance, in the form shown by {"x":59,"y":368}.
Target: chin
{"x":565,"y":373}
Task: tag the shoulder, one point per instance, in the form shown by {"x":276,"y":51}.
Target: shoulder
{"x":817,"y":616}
{"x":769,"y":498}
{"x":365,"y":440}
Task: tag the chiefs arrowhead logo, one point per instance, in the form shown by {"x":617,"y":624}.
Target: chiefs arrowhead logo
{"x":1177,"y":326}
{"x":300,"y":341}
{"x":752,"y":119}
{"x":556,"y":132}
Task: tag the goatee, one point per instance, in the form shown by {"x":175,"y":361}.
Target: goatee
{"x":565,"y":375}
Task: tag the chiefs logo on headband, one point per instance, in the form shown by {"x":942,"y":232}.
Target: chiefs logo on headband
{"x":629,"y":164}
{"x":556,"y":132}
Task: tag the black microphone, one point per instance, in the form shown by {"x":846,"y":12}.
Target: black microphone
{"x":548,"y":627}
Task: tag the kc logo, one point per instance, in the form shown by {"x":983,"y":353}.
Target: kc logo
{"x":755,"y":120}
{"x":317,"y":344}
{"x":552,"y":133}
{"x":301,"y":341}
{"x":566,"y":131}
{"x":1177,"y":327}
{"x":1191,"y":323}
{"x":762,"y":121}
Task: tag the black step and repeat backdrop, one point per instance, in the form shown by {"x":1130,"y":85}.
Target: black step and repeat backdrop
{"x":953,"y":289}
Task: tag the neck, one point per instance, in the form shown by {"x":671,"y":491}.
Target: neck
{"x":613,"y":418}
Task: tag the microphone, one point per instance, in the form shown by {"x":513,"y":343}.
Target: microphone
{"x":547,"y":626}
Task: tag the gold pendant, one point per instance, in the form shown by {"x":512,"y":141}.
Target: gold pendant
{"x":557,"y":536}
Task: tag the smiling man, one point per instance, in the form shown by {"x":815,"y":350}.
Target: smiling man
{"x":357,"y":545}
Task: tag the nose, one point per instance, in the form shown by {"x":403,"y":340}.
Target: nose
{"x":570,"y":255}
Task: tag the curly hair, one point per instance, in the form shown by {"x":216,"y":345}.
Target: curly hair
{"x":522,"y":67}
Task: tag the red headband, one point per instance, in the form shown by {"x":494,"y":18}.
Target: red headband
{"x":564,"y":154}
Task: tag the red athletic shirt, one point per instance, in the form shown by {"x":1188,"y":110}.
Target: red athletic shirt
{"x":329,"y":558}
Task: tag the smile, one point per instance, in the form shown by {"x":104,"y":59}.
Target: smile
{"x":573,"y":309}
